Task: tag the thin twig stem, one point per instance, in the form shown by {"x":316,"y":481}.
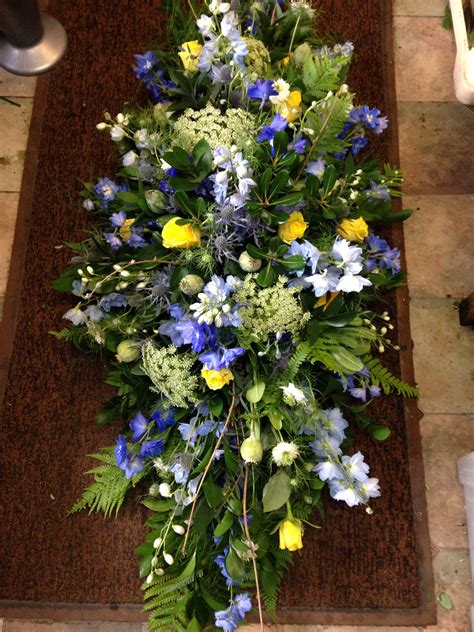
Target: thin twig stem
{"x":208,"y":467}
{"x":252,"y":548}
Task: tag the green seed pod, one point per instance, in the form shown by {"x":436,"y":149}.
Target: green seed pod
{"x":301,"y":54}
{"x":251,"y":450}
{"x":156,"y":200}
{"x":128,"y":351}
{"x":191,"y":284}
{"x":248,"y":263}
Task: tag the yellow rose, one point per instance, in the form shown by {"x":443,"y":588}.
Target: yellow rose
{"x":291,"y":108}
{"x":189,"y":56}
{"x":180,"y":236}
{"x":353,"y":229}
{"x":293,"y":228}
{"x":216,"y":379}
{"x":290,"y":534}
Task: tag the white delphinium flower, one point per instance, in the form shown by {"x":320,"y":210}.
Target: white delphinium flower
{"x":284,"y":453}
{"x":283,"y":89}
{"x":327,"y":470}
{"x":205,"y":25}
{"x":88,"y":205}
{"x":293,"y":395}
{"x":117,"y":133}
{"x":165,"y":490}
{"x":370,"y":488}
{"x":129,"y":158}
{"x":356,"y":467}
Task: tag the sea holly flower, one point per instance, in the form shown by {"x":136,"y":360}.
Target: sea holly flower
{"x":262,"y":90}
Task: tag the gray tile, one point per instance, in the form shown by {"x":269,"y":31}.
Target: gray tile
{"x":439,"y":250}
{"x":443,"y":352}
{"x":452,"y":576}
{"x":15,"y":122}
{"x":419,"y":7}
{"x":436,"y":149}
{"x":445,"y":438}
{"x":424,"y":59}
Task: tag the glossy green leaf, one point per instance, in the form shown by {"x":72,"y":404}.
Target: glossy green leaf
{"x":276,"y":492}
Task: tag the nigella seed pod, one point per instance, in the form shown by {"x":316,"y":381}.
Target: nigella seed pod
{"x":128,"y":351}
{"x":248,"y":263}
{"x":191,"y":284}
{"x":251,"y":450}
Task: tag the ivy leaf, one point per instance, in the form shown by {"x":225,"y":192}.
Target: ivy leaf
{"x":445,"y":601}
{"x":276,"y":492}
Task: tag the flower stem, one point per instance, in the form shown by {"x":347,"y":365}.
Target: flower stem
{"x":252,"y":548}
{"x":208,"y":467}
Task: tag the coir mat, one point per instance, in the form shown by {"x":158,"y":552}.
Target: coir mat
{"x":358,"y":569}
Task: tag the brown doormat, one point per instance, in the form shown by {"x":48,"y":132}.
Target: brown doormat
{"x":358,"y":569}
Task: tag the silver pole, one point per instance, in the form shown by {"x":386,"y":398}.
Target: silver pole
{"x":30,"y":43}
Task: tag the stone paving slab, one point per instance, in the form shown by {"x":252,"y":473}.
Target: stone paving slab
{"x":16,"y":86}
{"x":424,"y":59}
{"x":436,"y":150}
{"x":8,"y":210}
{"x":419,"y":7}
{"x":439,"y":252}
{"x":15,"y":124}
{"x":445,"y":438}
{"x":442,"y":354}
{"x":23,"y":625}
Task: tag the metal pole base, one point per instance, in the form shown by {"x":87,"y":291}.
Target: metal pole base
{"x":39,"y":58}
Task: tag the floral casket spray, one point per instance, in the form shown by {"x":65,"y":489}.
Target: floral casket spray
{"x":230,"y":277}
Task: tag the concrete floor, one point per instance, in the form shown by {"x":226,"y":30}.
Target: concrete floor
{"x":437,"y":157}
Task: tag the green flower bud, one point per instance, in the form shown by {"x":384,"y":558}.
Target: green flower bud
{"x":154,"y":490}
{"x":251,"y":450}
{"x":128,"y":351}
{"x":156,"y":200}
{"x":248,"y":263}
{"x":301,"y":54}
{"x":160,"y":114}
{"x":191,"y":284}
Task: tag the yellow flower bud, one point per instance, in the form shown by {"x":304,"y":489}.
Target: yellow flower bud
{"x":353,"y":229}
{"x":176,"y":235}
{"x":290,"y":534}
{"x":216,"y":379}
{"x":189,"y":55}
{"x":293,"y":228}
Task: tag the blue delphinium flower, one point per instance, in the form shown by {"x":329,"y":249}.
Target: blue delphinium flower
{"x":114,"y":299}
{"x":370,"y":118}
{"x":94,"y":313}
{"x":268,"y":132}
{"x":106,"y":191}
{"x":358,"y":144}
{"x":221,"y":358}
{"x":76,"y":316}
{"x":378,"y":192}
{"x":298,"y":145}
{"x":242,"y":604}
{"x":163,"y":420}
{"x":262,"y":90}
{"x":139,"y":425}
{"x":220,"y":561}
{"x":381,"y":255}
{"x":316,"y":167}
{"x":146,"y":64}
{"x":114,"y":242}
{"x":133,"y":466}
{"x":180,"y":471}
{"x":150,"y":449}
{"x":226,"y":619}
{"x":121,"y":451}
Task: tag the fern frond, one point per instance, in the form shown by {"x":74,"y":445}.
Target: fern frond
{"x":109,"y":488}
{"x":381,"y":376}
{"x":271,"y":580}
{"x":301,"y":353}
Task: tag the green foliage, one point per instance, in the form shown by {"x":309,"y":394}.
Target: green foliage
{"x":327,"y":121}
{"x":382,"y":376}
{"x":320,"y":75}
{"x":166,"y":599}
{"x":109,"y":488}
{"x":301,"y":353}
{"x":273,"y":568}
